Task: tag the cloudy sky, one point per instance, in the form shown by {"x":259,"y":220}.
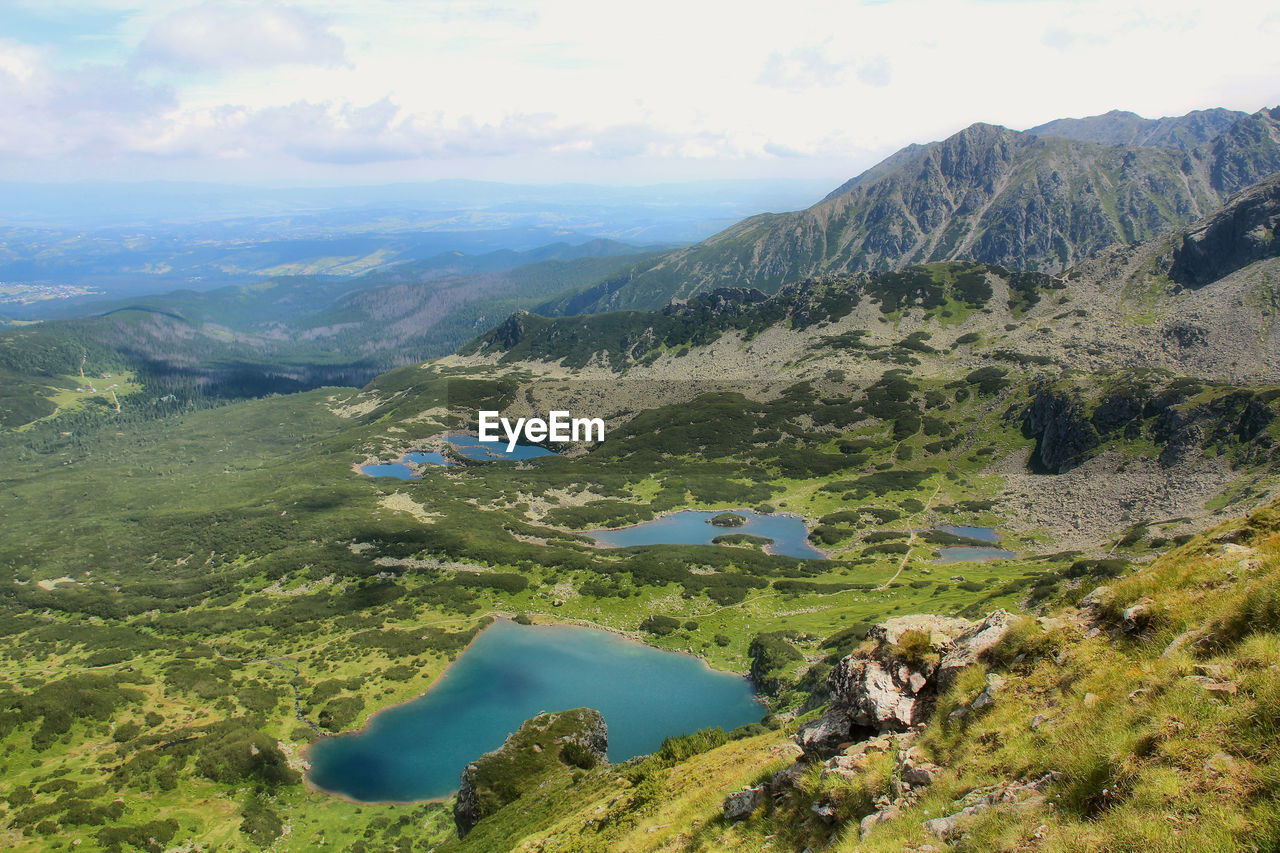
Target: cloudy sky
{"x":336,"y":91}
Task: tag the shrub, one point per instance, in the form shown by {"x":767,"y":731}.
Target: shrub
{"x":659,"y":625}
{"x":914,"y":646}
{"x":575,"y":754}
{"x":683,"y":747}
{"x":771,"y":655}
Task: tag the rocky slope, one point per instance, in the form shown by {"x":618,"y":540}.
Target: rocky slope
{"x":1134,"y":716}
{"x":1201,"y":301}
{"x":987,"y":194}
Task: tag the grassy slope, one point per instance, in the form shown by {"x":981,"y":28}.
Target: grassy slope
{"x":1148,"y":759}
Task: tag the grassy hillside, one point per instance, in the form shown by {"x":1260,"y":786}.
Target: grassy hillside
{"x":279,"y":336}
{"x":189,"y":600}
{"x":1156,"y":725}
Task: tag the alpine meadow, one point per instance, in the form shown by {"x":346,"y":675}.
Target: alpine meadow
{"x":497,"y":470}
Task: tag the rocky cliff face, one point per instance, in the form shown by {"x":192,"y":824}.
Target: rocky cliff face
{"x":894,"y":686}
{"x":543,"y":745}
{"x":1067,"y":427}
{"x":1061,"y":426}
{"x":1241,"y":233}
{"x":1244,"y":153}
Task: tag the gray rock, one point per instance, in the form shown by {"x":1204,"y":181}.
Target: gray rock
{"x":825,"y":811}
{"x":946,"y":828}
{"x":972,"y":644}
{"x":921,"y":775}
{"x":1178,"y":643}
{"x":1136,"y":617}
{"x":827,"y":734}
{"x":1096,"y":598}
{"x":869,"y":822}
{"x":743,"y":804}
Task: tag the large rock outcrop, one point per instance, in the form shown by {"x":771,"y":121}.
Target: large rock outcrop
{"x":888,"y":689}
{"x":543,"y":745}
{"x":1061,"y":426}
{"x":1237,"y":235}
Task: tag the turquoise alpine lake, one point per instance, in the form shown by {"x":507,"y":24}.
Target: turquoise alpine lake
{"x":693,"y":527}
{"x":417,"y":751}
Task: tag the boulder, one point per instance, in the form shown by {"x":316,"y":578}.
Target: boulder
{"x":869,"y":822}
{"x":879,"y":691}
{"x":1136,"y":617}
{"x":973,"y":644}
{"x":921,"y":775}
{"x":826,"y":735}
{"x":825,"y":810}
{"x":743,"y":804}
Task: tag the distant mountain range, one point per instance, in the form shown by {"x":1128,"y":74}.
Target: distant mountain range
{"x":1200,"y":300}
{"x":1041,"y":200}
{"x":1032,"y":202}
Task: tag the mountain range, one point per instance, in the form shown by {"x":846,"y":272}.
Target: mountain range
{"x":1035,"y":200}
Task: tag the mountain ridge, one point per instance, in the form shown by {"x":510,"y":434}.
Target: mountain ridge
{"x":986,"y":193}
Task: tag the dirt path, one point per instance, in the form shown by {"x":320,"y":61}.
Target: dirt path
{"x":911,"y":539}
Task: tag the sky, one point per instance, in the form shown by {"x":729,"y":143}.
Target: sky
{"x":543,"y":91}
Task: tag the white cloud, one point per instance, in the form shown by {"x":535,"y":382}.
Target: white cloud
{"x":877,"y":72}
{"x":222,"y":36}
{"x":558,"y":89}
{"x":802,"y":68}
{"x":55,"y":112}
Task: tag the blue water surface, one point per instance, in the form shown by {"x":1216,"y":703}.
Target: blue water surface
{"x":693,"y":527}
{"x":492,"y":451}
{"x":982,"y":534}
{"x":389,"y":469}
{"x":511,"y":672}
{"x":468,"y":445}
{"x":968,"y":554}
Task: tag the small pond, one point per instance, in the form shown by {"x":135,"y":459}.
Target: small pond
{"x":693,"y":527}
{"x":401,"y":470}
{"x":467,"y":445}
{"x":492,"y":451}
{"x":510,"y":673}
{"x":972,"y":554}
{"x":982,"y":534}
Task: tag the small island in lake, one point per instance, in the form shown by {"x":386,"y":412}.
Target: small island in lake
{"x":728,"y":519}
